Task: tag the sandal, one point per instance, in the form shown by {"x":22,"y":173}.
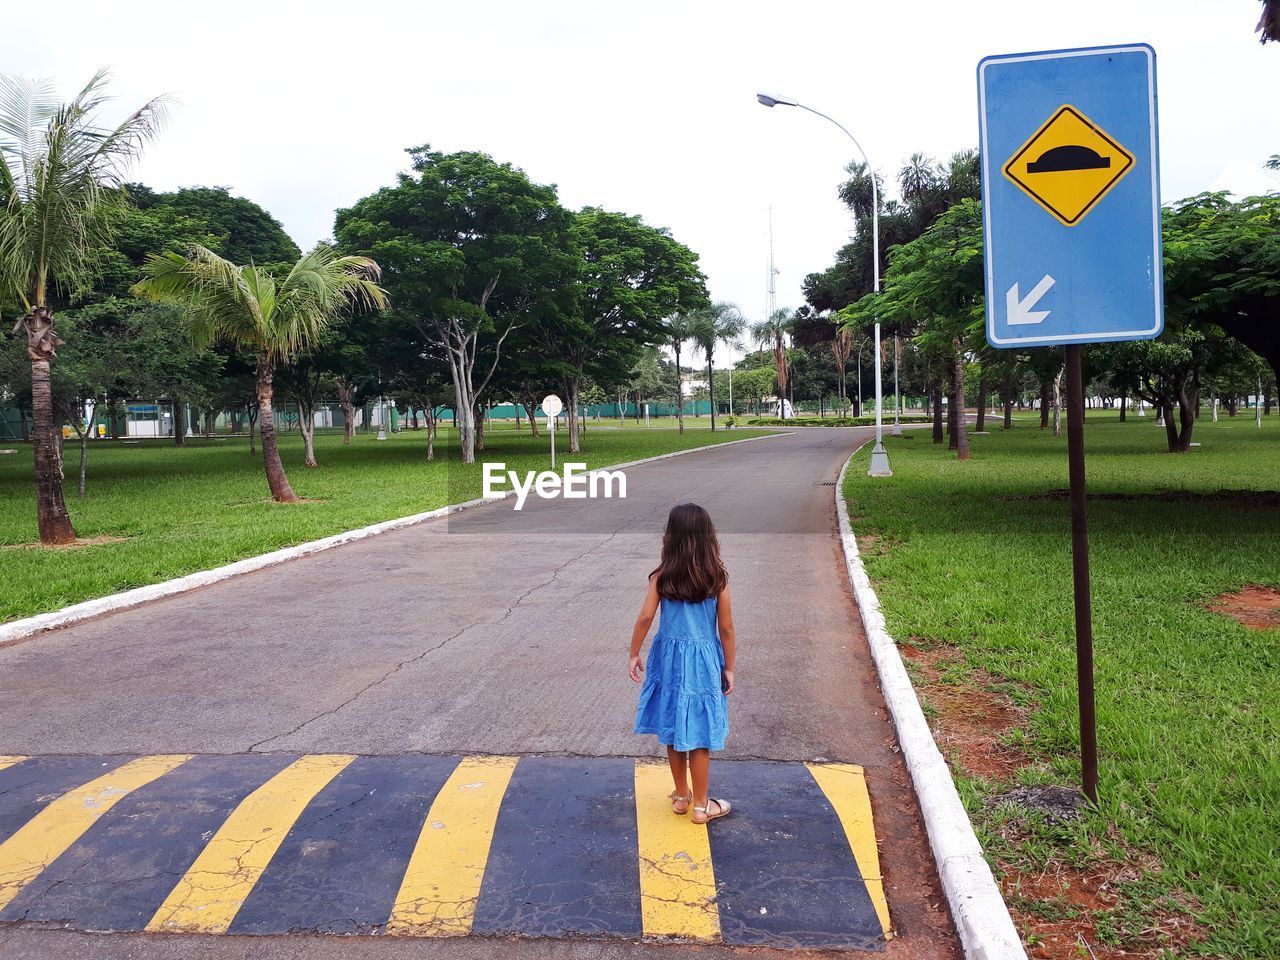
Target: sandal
{"x":704,"y":814}
{"x":677,"y":799}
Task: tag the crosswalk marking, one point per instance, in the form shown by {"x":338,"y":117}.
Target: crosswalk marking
{"x":845,"y":785}
{"x":438,"y":895}
{"x":208,"y":897}
{"x":440,"y":847}
{"x":677,"y":882}
{"x":9,"y":761}
{"x":48,"y":834}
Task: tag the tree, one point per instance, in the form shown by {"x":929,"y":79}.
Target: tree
{"x":680,"y":328}
{"x":60,"y":181}
{"x":773,"y":333}
{"x":630,"y":276}
{"x":472,"y":250}
{"x":1222,"y":266}
{"x":243,"y":232}
{"x":934,"y":285}
{"x":1269,"y":23}
{"x":246,"y":306}
{"x":721,"y":323}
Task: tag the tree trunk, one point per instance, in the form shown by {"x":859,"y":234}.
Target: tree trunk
{"x":1045,"y":386}
{"x":936,"y":401}
{"x":1008,"y":412}
{"x":253,"y":419}
{"x":679,"y":391}
{"x":431,"y":433}
{"x":1170,"y":428}
{"x":1057,"y":403}
{"x":952,"y":430}
{"x":711,"y":389}
{"x":982,"y":405}
{"x":307,"y":427}
{"x":962,"y":427}
{"x":1124,"y":405}
{"x":531,"y":408}
{"x":277,"y":481}
{"x":477,"y":434}
{"x":348,"y":412}
{"x":51,"y":511}
{"x":179,"y":424}
{"x":571,"y":414}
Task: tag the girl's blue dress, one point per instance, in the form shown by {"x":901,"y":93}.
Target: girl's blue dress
{"x":681,"y":700}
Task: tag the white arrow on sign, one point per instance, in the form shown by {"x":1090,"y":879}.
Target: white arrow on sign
{"x":1019,"y":308}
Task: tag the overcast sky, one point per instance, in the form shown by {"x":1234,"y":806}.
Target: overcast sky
{"x":644,"y":108}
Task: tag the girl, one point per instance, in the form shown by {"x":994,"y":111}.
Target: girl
{"x":690,"y":667}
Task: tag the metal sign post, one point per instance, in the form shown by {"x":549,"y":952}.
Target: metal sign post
{"x":552,"y":406}
{"x":1071,"y":244}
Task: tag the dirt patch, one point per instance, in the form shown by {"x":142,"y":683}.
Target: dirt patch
{"x":1255,"y":606}
{"x":1059,"y":910}
{"x":1245,"y":499}
{"x":972,"y":719}
{"x":74,"y":545}
{"x":269,"y":501}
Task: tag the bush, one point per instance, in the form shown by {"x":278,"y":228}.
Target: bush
{"x":829,"y":421}
{"x":729,"y":421}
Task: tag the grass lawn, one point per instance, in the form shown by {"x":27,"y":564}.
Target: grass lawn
{"x":206,"y":504}
{"x":973,"y":567}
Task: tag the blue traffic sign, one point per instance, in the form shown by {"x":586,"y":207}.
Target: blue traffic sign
{"x":1071,"y":196}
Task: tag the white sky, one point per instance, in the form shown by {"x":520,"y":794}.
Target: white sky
{"x":645,"y":108}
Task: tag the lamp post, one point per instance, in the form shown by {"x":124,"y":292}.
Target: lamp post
{"x":879,"y":456}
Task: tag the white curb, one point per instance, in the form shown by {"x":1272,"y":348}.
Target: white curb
{"x":979,"y":911}
{"x":21,"y":629}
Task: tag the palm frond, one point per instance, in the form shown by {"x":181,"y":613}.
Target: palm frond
{"x":60,"y":180}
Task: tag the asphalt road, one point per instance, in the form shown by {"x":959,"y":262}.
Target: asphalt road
{"x":494,"y":632}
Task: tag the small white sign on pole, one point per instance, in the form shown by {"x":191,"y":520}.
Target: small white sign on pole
{"x":551,"y":406}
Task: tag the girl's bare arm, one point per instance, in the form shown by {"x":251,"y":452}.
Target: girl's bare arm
{"x":728,"y":638}
{"x":643,"y":622}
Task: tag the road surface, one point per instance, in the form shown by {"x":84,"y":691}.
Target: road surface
{"x":495,"y":632}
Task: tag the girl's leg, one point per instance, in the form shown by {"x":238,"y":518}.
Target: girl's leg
{"x":700,"y":768}
{"x":679,"y":763}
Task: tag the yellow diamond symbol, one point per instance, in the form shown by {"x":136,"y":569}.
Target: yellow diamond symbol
{"x":1068,"y":165}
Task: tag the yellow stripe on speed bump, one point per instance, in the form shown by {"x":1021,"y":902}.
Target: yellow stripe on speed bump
{"x":48,"y":834}
{"x":214,"y":888}
{"x":845,"y":785}
{"x":677,"y":883}
{"x":438,"y":895}
{"x":10,"y":761}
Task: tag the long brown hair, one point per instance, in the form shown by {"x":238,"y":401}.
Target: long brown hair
{"x":691,"y":569}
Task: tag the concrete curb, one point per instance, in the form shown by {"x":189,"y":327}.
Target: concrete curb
{"x":17,"y":630}
{"x":979,"y":911}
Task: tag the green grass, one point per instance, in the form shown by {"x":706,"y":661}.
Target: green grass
{"x":1188,"y":708}
{"x":206,"y":504}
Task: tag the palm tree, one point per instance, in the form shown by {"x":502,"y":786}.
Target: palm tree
{"x":719,"y":323}
{"x":774,"y":332}
{"x":244,"y":306}
{"x":60,"y":191}
{"x":841,"y":348}
{"x":680,"y":327}
{"x":1269,"y":24}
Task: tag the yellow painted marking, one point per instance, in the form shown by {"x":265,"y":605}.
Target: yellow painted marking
{"x":438,"y":895}
{"x":846,"y":788}
{"x":47,"y":835}
{"x":211,"y":893}
{"x":10,"y":761}
{"x":677,"y":882}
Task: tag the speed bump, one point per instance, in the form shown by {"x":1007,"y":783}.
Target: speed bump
{"x":439,"y":846}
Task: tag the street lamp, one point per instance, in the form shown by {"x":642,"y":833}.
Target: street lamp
{"x":879,"y":456}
